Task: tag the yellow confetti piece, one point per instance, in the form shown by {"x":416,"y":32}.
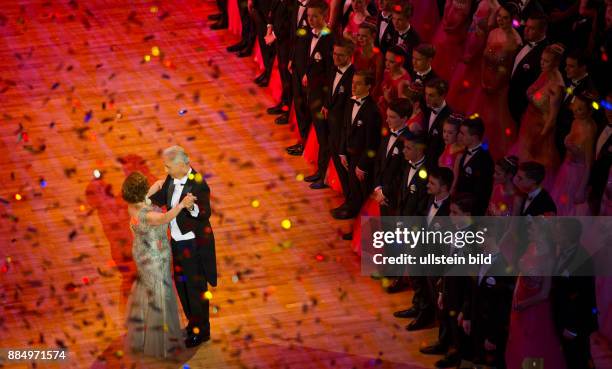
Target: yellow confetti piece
{"x":255,"y":203}
{"x":422,"y":173}
{"x":119,"y":353}
{"x":196,"y":330}
{"x":386,"y":282}
{"x":82,"y":207}
{"x":371,"y":153}
{"x":155,"y":51}
{"x":153,"y":9}
{"x":207,"y":296}
{"x":199,"y":178}
{"x":9,"y":259}
{"x":18,"y":197}
{"x":147,"y":58}
{"x":595,"y":105}
{"x":166,"y":327}
{"x":286,"y":224}
{"x":299,"y":177}
{"x":301,"y":32}
{"x":191,"y":176}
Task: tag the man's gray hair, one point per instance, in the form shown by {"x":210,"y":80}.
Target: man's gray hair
{"x":177,"y":154}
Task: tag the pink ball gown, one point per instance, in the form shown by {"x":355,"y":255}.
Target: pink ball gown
{"x":531,"y":144}
{"x":450,"y":37}
{"x":532,"y":331}
{"x":467,"y":75}
{"x":491,"y":99}
{"x":573,"y":170}
{"x":425,"y":18}
{"x":501,"y":203}
{"x":449,"y":157}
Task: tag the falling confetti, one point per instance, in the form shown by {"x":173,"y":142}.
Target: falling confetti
{"x":286,"y":224}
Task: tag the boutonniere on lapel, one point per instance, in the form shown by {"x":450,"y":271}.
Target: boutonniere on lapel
{"x":526,"y":66}
{"x":491,"y":281}
{"x":435,"y":131}
{"x":359,"y":123}
{"x":388,"y":37}
{"x":412,"y":188}
{"x":341,"y":89}
{"x":437,"y":226}
{"x":468,"y":170}
{"x":317,"y":56}
{"x":395,"y":151}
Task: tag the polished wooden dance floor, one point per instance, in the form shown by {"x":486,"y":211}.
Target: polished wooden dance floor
{"x":81,"y":108}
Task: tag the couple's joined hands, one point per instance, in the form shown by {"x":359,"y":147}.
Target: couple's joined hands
{"x":188,"y":201}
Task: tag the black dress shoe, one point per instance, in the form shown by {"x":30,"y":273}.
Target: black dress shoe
{"x":215,"y":17}
{"x":219,"y":25}
{"x":264,"y":82}
{"x":313,"y":178}
{"x":343,"y":214}
{"x":318,"y":185}
{"x":277,"y":109}
{"x":235,"y":47}
{"x":196,"y":340}
{"x":449,"y":361}
{"x":397,"y":285}
{"x":295,"y":150}
{"x":408,"y":313}
{"x":260,"y":77}
{"x":435,"y":349}
{"x":421,"y":322}
{"x":244,"y":52}
{"x":348,"y":236}
{"x":282,"y":119}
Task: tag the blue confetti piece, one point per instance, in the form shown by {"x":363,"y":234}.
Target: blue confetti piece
{"x":595,"y":311}
{"x":182,"y":278}
{"x":182,"y":112}
{"x":223,"y":115}
{"x":485,"y":145}
{"x":207,"y":175}
{"x":43,"y":183}
{"x":88,"y":116}
{"x":186,"y":366}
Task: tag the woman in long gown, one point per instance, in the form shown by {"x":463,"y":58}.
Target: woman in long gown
{"x":532,"y":330}
{"x":570,"y":189}
{"x":505,"y":199}
{"x":425,"y":18}
{"x":394,"y":75}
{"x":366,"y":56}
{"x":358,"y":16}
{"x":466,"y":77}
{"x":453,"y":149}
{"x":413,"y":91}
{"x":450,"y":37}
{"x":491,"y":99}
{"x":536,"y":139}
{"x":153,"y":325}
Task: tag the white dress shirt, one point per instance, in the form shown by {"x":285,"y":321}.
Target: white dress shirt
{"x":383,"y":26}
{"x":523,"y":53}
{"x":338,"y":77}
{"x":470,"y":153}
{"x":357,"y":107}
{"x":434,"y":115}
{"x":315,"y":40}
{"x":433,"y":209}
{"x":175,"y":231}
{"x":532,"y":195}
{"x":414,"y":169}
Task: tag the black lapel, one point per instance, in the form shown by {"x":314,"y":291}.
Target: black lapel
{"x":188,"y":185}
{"x":169,"y":193}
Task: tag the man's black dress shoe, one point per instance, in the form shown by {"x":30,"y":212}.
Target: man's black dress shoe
{"x":260,"y":78}
{"x":313,"y":178}
{"x":408,"y":313}
{"x":398,"y":284}
{"x":264,"y":82}
{"x":318,"y":185}
{"x":244,"y":52}
{"x":448,"y":361}
{"x":219,"y":25}
{"x":343,"y":214}
{"x":435,"y":349}
{"x":277,"y":109}
{"x":215,"y":17}
{"x":235,"y":47}
{"x":295,"y":150}
{"x":196,"y":339}
{"x":282,"y":119}
{"x":422,"y":321}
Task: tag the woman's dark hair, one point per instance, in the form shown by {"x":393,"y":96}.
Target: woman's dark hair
{"x":509,"y":164}
{"x":135,"y":187}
